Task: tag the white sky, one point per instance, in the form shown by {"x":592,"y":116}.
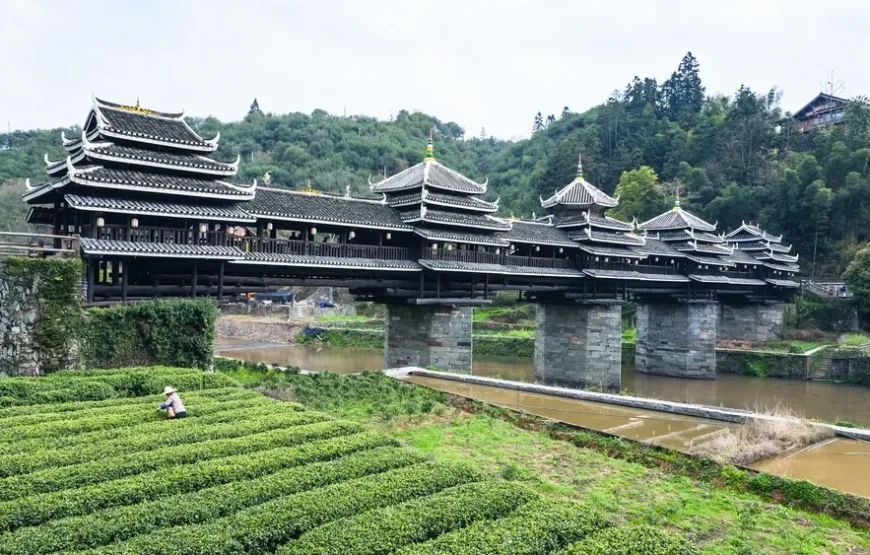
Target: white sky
{"x":480,"y":63}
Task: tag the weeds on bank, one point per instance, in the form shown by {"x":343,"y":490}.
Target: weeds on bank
{"x":763,"y":438}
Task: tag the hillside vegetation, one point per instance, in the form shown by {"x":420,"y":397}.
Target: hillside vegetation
{"x":734,"y":157}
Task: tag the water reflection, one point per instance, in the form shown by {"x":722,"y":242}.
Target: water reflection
{"x":825,"y":401}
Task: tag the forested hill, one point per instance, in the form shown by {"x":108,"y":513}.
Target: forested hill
{"x":733,"y":158}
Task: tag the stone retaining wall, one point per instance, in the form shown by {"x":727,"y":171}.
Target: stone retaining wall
{"x":756,"y":322}
{"x":264,"y":330}
{"x":19,"y":315}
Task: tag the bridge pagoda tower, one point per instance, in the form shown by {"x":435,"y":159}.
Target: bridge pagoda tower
{"x":676,"y":335}
{"x":578,"y":342}
{"x":458,"y":234}
{"x":776,"y":266}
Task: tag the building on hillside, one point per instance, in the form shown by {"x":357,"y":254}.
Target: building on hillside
{"x":822,"y":111}
{"x":759,"y":248}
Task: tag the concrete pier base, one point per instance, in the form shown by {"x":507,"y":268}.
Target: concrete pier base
{"x":579,"y":345}
{"x":750,"y":322}
{"x":676,"y":339}
{"x":436,"y":336}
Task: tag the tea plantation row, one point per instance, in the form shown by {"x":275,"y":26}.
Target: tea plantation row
{"x":98,"y":470}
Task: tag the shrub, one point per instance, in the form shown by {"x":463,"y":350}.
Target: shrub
{"x":36,"y":509}
{"x":205,"y":413}
{"x":252,"y":421}
{"x":262,"y":528}
{"x":384,"y":530}
{"x":68,"y":477}
{"x":74,"y":406}
{"x":122,"y":523}
{"x":156,"y":332}
{"x":537,"y":528}
{"x":633,"y":540}
{"x":125,"y":418}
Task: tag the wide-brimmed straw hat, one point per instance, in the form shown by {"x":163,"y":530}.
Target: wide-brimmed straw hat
{"x":168,"y":390}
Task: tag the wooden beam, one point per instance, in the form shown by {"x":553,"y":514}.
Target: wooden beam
{"x":451,"y":302}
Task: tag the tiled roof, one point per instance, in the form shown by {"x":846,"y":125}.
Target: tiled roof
{"x":783,"y":282}
{"x":161,"y":250}
{"x":43,"y":215}
{"x":631,"y":275}
{"x":535,"y":271}
{"x":580,"y":193}
{"x":709,"y":260}
{"x":438,"y":199}
{"x":283,"y":204}
{"x":604,"y":223}
{"x":606,"y":237}
{"x":231,"y":212}
{"x":430,"y":174}
{"x":778,"y":257}
{"x":537,"y":234}
{"x":779,"y":248}
{"x":452,"y":266}
{"x":98,"y":176}
{"x":741,"y":257}
{"x":143,"y":126}
{"x":782,"y":267}
{"x":706,"y":248}
{"x":611,"y":251}
{"x":658,"y":248}
{"x":725,"y":279}
{"x":447,"y":236}
{"x":329,"y":261}
{"x":181,"y":161}
{"x":676,"y":218}
{"x":480,"y":221}
{"x":707,"y":237}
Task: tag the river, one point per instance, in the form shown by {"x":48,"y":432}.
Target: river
{"x":829,"y":402}
{"x":839,"y":463}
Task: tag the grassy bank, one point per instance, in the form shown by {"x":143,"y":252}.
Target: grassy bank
{"x":720,"y":509}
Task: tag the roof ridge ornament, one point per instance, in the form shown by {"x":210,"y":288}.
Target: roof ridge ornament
{"x":27,"y":184}
{"x":677,"y":199}
{"x":213,"y":142}
{"x":64,"y":140}
{"x":309,"y":190}
{"x":430,"y":147}
{"x":579,"y":175}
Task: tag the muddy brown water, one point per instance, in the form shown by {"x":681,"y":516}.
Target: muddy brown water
{"x":824,"y":401}
{"x":840,"y":463}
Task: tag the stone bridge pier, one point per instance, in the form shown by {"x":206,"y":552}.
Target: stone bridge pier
{"x":676,"y":339}
{"x":438,"y":336}
{"x":751,"y":322}
{"x":579,"y":345}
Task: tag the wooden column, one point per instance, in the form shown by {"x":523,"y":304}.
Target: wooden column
{"x":57,"y":224}
{"x":125,"y":280}
{"x":90,"y":277}
{"x":220,"y":291}
{"x":193,"y":280}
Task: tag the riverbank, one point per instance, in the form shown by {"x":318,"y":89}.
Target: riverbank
{"x":653,"y":486}
{"x":797,"y":360}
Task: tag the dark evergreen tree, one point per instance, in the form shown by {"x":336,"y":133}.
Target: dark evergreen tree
{"x":255,"y":108}
{"x":539,"y":123}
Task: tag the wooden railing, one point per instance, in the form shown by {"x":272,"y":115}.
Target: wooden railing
{"x":14,"y":243}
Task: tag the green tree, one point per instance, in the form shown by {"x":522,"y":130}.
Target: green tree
{"x":640,"y":195}
{"x":857,"y":122}
{"x":857,"y":277}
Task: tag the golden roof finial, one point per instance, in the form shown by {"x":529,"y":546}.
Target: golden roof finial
{"x":430,"y":148}
{"x":309,"y":190}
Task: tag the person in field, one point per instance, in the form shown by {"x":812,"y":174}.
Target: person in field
{"x":174,"y":406}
